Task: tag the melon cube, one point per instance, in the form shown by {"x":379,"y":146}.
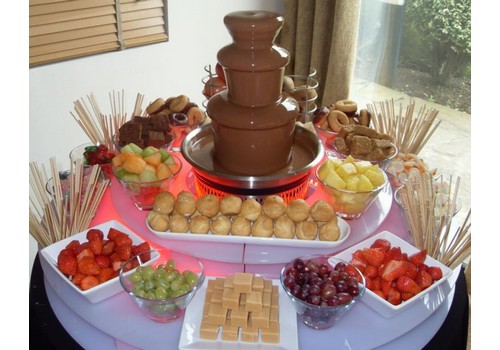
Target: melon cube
{"x":153,"y":159}
{"x":148,"y":175}
{"x":163,"y":171}
{"x":134,"y":164}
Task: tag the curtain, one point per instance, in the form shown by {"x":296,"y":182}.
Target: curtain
{"x":322,"y":34}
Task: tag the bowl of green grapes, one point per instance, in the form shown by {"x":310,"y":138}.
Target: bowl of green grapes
{"x":162,"y":290}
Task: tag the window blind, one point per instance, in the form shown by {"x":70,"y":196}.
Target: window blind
{"x":64,"y":29}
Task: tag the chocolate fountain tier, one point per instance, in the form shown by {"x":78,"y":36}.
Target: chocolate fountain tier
{"x":307,"y":151}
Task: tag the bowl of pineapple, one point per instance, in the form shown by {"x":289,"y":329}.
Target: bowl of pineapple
{"x":352,"y":185}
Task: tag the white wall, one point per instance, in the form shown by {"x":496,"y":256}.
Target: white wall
{"x":196,"y":33}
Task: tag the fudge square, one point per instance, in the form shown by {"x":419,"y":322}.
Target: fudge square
{"x":242,"y":307}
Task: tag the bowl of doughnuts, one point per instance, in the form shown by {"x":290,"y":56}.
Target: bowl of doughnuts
{"x":365,"y":143}
{"x":329,"y":120}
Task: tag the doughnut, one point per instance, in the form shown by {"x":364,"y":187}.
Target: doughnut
{"x":274,"y":206}
{"x":230,"y":205}
{"x":178,"y":223}
{"x":155,"y":106}
{"x":364,"y":117}
{"x":177,"y":104}
{"x":263,"y":227}
{"x":251,"y":209}
{"x":208,"y":205}
{"x":157,"y":222}
{"x":195,"y":115}
{"x":199,"y":224}
{"x":337,"y":120}
{"x":284,"y":227}
{"x":220,"y":225}
{"x":330,"y":231}
{"x":241,"y":226}
{"x":346,"y":106}
{"x":307,"y":230}
{"x":185,"y":204}
{"x":298,"y":210}
{"x":322,"y":211}
{"x":164,"y":203}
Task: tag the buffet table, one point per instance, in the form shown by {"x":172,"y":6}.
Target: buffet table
{"x":60,"y":318}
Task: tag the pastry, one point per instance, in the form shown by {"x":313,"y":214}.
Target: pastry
{"x":307,"y":230}
{"x":298,"y":210}
{"x":199,"y":224}
{"x":329,"y":231}
{"x":230,"y":205}
{"x":241,"y":226}
{"x":284,"y":227}
{"x":178,"y":223}
{"x":273,"y":206}
{"x":251,"y":209}
{"x":322,"y":211}
{"x":164,"y":203}
{"x":157,"y":222}
{"x":208,"y":205}
{"x":185,"y":204}
{"x":220,"y":225}
{"x":262,"y":227}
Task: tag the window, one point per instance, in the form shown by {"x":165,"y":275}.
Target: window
{"x":64,"y":29}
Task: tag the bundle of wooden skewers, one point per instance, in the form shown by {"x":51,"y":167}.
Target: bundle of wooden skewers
{"x":432,"y":229}
{"x":61,"y":213}
{"x":100,"y":127}
{"x":409,"y":133}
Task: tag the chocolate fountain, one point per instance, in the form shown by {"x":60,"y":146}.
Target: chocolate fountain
{"x":253,"y":146}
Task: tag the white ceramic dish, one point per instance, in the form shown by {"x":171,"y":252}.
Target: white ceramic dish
{"x":190,"y":329}
{"x":104,"y":290}
{"x":380,"y":305}
{"x":345,"y":231}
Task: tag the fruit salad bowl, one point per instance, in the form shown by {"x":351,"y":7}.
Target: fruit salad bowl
{"x":163,"y":289}
{"x":142,"y":177}
{"x":322,"y":288}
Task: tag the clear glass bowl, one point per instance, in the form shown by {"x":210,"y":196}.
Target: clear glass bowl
{"x":143,"y":193}
{"x":169,"y":308}
{"x":77,"y":153}
{"x":350,"y":204}
{"x":180,"y":128}
{"x":318,"y":316}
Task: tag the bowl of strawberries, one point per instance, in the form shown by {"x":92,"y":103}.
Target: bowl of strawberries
{"x":94,"y":154}
{"x":397,"y":274}
{"x":90,"y":261}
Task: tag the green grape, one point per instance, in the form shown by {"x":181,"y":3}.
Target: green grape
{"x":149,"y":285}
{"x":160,"y":293}
{"x":160,"y":273}
{"x":162,"y":283}
{"x":175,"y":285}
{"x":170,"y":276}
{"x":191,"y":279}
{"x":140,"y":293}
{"x":149,"y":295}
{"x":170,"y":264}
{"x":147,"y":272}
{"x":135,"y":277}
{"x":138,"y":288}
{"x":184,"y":288}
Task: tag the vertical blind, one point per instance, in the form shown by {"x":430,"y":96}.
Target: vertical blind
{"x":64,"y":29}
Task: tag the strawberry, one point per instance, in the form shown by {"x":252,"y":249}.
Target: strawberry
{"x":80,"y":248}
{"x":67,"y":264}
{"x":73,"y":245}
{"x":379,"y":293}
{"x":113,"y":233}
{"x":423,"y":267}
{"x":394,"y":269}
{"x":381,"y":243}
{"x":124,"y":252}
{"x":394,"y":254}
{"x":123,"y":240}
{"x":143,"y":249}
{"x":394,"y":296}
{"x":108,"y":247}
{"x":406,"y":284}
{"x":374,"y":256}
{"x":106,"y":274}
{"x":369,"y":283}
{"x":89,"y":282}
{"x":435,"y":272}
{"x":361,"y":265}
{"x":418,"y":258}
{"x":88,"y":266}
{"x":411,"y":271}
{"x":406,"y":295}
{"x":385,"y":286}
{"x":116,"y":265}
{"x":376,"y":283}
{"x":103,"y":261}
{"x":370,"y":271}
{"x":94,"y":234}
{"x":66,"y":251}
{"x":358,"y":255}
{"x":84,"y":253}
{"x":423,"y":279}
{"x":77,"y":279}
{"x":96,"y":246}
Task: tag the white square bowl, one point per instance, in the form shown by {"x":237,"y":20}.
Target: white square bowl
{"x":379,"y":304}
{"x":104,"y":290}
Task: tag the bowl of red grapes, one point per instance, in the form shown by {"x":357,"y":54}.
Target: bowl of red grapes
{"x":322,"y":288}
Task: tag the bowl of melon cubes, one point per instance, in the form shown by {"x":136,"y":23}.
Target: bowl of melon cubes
{"x":145,"y":172}
{"x":351,"y":185}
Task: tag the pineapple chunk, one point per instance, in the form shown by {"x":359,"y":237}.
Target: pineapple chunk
{"x":333,"y":163}
{"x":346,"y":169}
{"x":364,"y":184}
{"x":351,"y":182}
{"x":362,"y":166}
{"x":334,"y":180}
{"x":375,"y":176}
{"x":349,"y":159}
